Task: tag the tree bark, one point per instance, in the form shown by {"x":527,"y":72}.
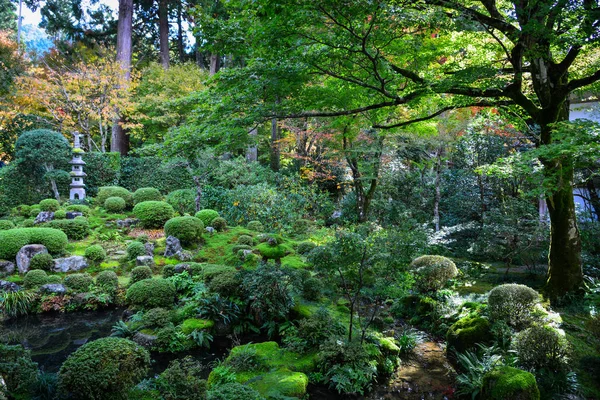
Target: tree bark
{"x":215,"y":64}
{"x":119,"y":138}
{"x":180,"y":48}
{"x":438,"y":195}
{"x":252,"y":152}
{"x":594,"y":198}
{"x":275,"y":154}
{"x":163,"y":31}
{"x":198,"y":198}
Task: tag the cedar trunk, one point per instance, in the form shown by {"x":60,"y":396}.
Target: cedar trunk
{"x":163,"y":31}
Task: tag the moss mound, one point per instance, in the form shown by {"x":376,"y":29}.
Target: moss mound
{"x":465,"y":333}
{"x":508,"y":383}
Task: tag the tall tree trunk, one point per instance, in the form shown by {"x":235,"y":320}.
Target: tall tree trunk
{"x":275,"y":154}
{"x":163,"y":32}
{"x":215,"y":63}
{"x":120,"y":139}
{"x":180,"y":48}
{"x":252,"y":152}
{"x":198,"y":198}
{"x":594,"y":199}
{"x":438,"y":195}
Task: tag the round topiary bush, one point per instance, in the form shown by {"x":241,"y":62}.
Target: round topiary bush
{"x":12,"y":240}
{"x":104,"y":369}
{"x":35,"y":278}
{"x":75,"y":229}
{"x":305,"y":247}
{"x":226,"y":283}
{"x":107,"y":280}
{"x":542,"y":347}
{"x":114,"y":204}
{"x":43,"y":261}
{"x":140,"y":273}
{"x":207,"y":216}
{"x":151,"y":293}
{"x":467,"y":332}
{"x":513,"y":304}
{"x":60,"y":214}
{"x":168,"y":271}
{"x":272,"y":251}
{"x":114,"y":191}
{"x":49,"y":205}
{"x":6,"y":225}
{"x":256,"y":226}
{"x":187,"y":229}
{"x":79,"y":282}
{"x":233,"y":391}
{"x":183,"y":201}
{"x":54,"y":279}
{"x":153,"y":214}
{"x":312,"y":289}
{"x":146,"y":194}
{"x":245,"y":240}
{"x":432,"y":272}
{"x":95,"y":254}
{"x":135,"y":249}
{"x":508,"y":383}
{"x":219,"y":224}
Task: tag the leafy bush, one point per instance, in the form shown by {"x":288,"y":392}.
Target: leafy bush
{"x":6,"y":225}
{"x":305,"y":247}
{"x":114,"y":204}
{"x":312,"y":289}
{"x":107,"y":280}
{"x":509,"y":383}
{"x":105,"y":192}
{"x":207,"y":216}
{"x":183,"y":201}
{"x":432,"y":272}
{"x":187,"y":229}
{"x":85,"y":210}
{"x":79,"y":282}
{"x":75,"y":229}
{"x":219,"y":224}
{"x":227,"y":283}
{"x":95,"y":254}
{"x":153,"y":214}
{"x":156,"y":318}
{"x":313,"y":331}
{"x":233,"y":391}
{"x":245,"y":240}
{"x":301,"y":226}
{"x":541,"y":347}
{"x":256,"y":226}
{"x":182,"y":380}
{"x":151,"y":293}
{"x":140,"y":273}
{"x":12,"y":240}
{"x":60,"y":214}
{"x":35,"y":278}
{"x":104,"y":369}
{"x":54,"y":279}
{"x":18,"y":371}
{"x":135,"y":249}
{"x":49,"y":205}
{"x":512,"y":303}
{"x":146,"y":194}
{"x":270,"y":292}
{"x":42,"y":261}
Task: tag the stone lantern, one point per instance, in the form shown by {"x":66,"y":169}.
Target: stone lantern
{"x":77,"y":186}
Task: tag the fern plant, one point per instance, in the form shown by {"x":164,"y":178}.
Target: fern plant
{"x":475,"y":366}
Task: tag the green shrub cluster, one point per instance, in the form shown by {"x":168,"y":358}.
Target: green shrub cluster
{"x":433,"y":272}
{"x":140,"y":273}
{"x":80,"y":282}
{"x":151,"y":293}
{"x":35,"y":278}
{"x":49,"y":205}
{"x":43,"y":261}
{"x":542,"y":347}
{"x":105,"y":192}
{"x":146,"y":194}
{"x":305,"y":247}
{"x":227,"y":283}
{"x":467,"y":332}
{"x":104,"y":369}
{"x":156,"y":318}
{"x":60,"y":214}
{"x":245,"y":240}
{"x":512,"y":303}
{"x":54,"y":279}
{"x":187,"y":229}
{"x":135,"y":249}
{"x":85,"y":210}
{"x":12,"y":240}
{"x":219,"y":224}
{"x":6,"y":225}
{"x":107,"y":280}
{"x":95,"y":253}
{"x":19,"y":373}
{"x":256,"y":226}
{"x":183,"y":201}
{"x":114,"y":204}
{"x":75,"y":229}
{"x":153,"y":214}
{"x":182,"y":380}
{"x":207,"y":216}
{"x":233,"y":391}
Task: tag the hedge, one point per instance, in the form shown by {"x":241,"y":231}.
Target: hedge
{"x":75,"y":229}
{"x":151,"y":293}
{"x":12,"y":240}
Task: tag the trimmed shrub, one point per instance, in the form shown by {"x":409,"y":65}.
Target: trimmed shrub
{"x":19,"y":373}
{"x":219,"y":224}
{"x":153,"y":214}
{"x":140,"y":273}
{"x":104,"y":369}
{"x":95,"y":254}
{"x":305,"y":247}
{"x":54,"y":279}
{"x":465,"y":333}
{"x":272,"y":252}
{"x":12,"y":240}
{"x":156,"y":318}
{"x":60,"y":214}
{"x":28,"y":223}
{"x":85,"y":210}
{"x":312,"y":289}
{"x":35,"y":278}
{"x":542,"y":347}
{"x":512,"y":303}
{"x":114,"y":204}
{"x":75,"y":229}
{"x":245,"y":240}
{"x":182,"y":380}
{"x":146,"y":194}
{"x":236,"y":249}
{"x":233,"y":391}
{"x":114,"y":191}
{"x":187,"y":229}
{"x":6,"y":225}
{"x":207,"y":216}
{"x":151,"y":293}
{"x":432,"y":272}
{"x":107,"y":280}
{"x":227,"y":283}
{"x":135,"y":249}
{"x":43,"y":261}
{"x":168,"y":271}
{"x":79,"y":282}
{"x":255,"y":226}
{"x":508,"y":383}
{"x":49,"y":205}
{"x":183,"y":201}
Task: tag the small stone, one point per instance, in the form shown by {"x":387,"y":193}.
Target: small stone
{"x":183,"y":255}
{"x":73,"y":214}
{"x":144,"y":339}
{"x":6,"y":268}
{"x":127,"y":222}
{"x":210,"y":230}
{"x":173,"y":246}
{"x":68,"y":264}
{"x":44,"y":216}
{"x":25,"y":255}
{"x":179,"y":268}
{"x":54,"y":288}
{"x":246,"y":253}
{"x":6,"y":286}
{"x":148,"y":261}
{"x":149,"y":249}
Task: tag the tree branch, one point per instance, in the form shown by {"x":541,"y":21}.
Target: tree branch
{"x":588,"y":80}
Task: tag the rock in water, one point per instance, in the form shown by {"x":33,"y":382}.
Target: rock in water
{"x":25,"y":255}
{"x":68,"y":264}
{"x":44,"y":216}
{"x":173,"y":246}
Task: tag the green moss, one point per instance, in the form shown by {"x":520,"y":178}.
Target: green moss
{"x":388,"y":345}
{"x":508,"y":383}
{"x":195,"y":324}
{"x":278,"y":384}
{"x":465,"y":333}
